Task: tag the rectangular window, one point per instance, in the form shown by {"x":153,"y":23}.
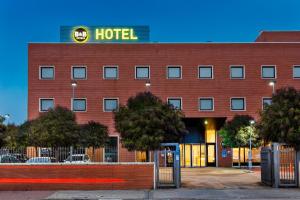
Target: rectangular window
{"x":175,"y":102}
{"x":46,"y":104}
{"x":206,"y":104}
{"x":111,"y":150}
{"x":47,"y":73}
{"x":237,"y":72}
{"x":237,"y":103}
{"x":296,"y":72}
{"x":205,"y":72}
{"x":110,"y":105}
{"x":174,"y":72}
{"x":266,"y":102}
{"x":268,"y":72}
{"x":110,"y":72}
{"x":78,"y":72}
{"x":79,"y":105}
{"x":142,"y":72}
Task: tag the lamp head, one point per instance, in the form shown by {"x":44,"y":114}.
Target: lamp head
{"x":272,"y":83}
{"x":74,"y":84}
{"x":148,"y":83}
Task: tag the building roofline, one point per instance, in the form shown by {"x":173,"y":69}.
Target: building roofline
{"x":123,"y":43}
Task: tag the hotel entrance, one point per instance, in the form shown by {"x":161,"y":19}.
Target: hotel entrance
{"x":197,"y":155}
{"x":198,"y":148}
{"x":211,"y":155}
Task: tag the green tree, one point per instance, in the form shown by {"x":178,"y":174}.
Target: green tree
{"x":11,"y":136}
{"x":237,"y":132}
{"x":54,"y":128}
{"x":2,"y":130}
{"x":280,"y":121}
{"x":146,"y":121}
{"x":93,"y":134}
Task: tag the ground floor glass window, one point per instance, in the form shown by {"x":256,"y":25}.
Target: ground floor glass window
{"x":111,"y":150}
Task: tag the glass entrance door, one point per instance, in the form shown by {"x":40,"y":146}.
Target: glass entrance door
{"x":211,"y":154}
{"x":196,"y":155}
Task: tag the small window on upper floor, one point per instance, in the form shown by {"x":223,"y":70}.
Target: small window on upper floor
{"x":296,"y":72}
{"x":142,"y":72}
{"x":110,"y":72}
{"x":79,"y":72}
{"x":205,"y":72}
{"x":46,"y":72}
{"x":46,"y":104}
{"x":238,"y":104}
{"x":268,"y":72}
{"x":237,"y":72}
{"x":174,"y":72}
{"x":266,"y":102}
{"x":175,"y":102}
{"x":79,"y":105}
{"x":110,"y":104}
{"x":206,"y":104}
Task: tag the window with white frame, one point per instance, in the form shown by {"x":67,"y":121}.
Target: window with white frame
{"x":110,"y":72}
{"x":238,"y":104}
{"x":268,"y":72}
{"x":237,"y":72}
{"x":266,"y":102}
{"x":47,"y":72}
{"x":175,"y":102}
{"x":79,"y":72}
{"x":296,"y":71}
{"x":79,"y":105}
{"x":111,"y":149}
{"x":174,"y":72}
{"x":142,"y":72}
{"x":46,"y":104}
{"x":206,"y":104}
{"x":205,"y":72}
{"x":110,"y":104}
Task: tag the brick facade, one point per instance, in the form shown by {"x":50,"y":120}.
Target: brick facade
{"x":158,"y":55}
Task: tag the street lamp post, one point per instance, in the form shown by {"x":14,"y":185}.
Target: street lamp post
{"x":272,"y":84}
{"x":148,"y":85}
{"x":250,"y":147}
{"x":74,"y":85}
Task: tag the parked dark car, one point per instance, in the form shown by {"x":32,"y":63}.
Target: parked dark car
{"x":22,"y":157}
{"x":7,"y":158}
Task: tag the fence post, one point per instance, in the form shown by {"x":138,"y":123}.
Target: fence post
{"x":276,"y":163}
{"x":71,"y":153}
{"x":156,"y":169}
{"x":297,"y":168}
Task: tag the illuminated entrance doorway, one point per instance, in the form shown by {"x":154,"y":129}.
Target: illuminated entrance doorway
{"x":211,"y":155}
{"x":198,"y":148}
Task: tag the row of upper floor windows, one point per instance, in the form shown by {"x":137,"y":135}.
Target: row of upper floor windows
{"x":111,"y":104}
{"x":173,"y":72}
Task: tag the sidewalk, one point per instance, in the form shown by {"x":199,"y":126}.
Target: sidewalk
{"x":180,"y":194}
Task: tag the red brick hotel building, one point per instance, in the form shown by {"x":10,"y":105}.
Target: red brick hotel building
{"x":210,"y":82}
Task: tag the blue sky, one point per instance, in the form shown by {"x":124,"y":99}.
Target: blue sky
{"x":169,"y":20}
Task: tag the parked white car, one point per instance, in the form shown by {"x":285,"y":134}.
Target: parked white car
{"x":78,"y":158}
{"x":39,"y":160}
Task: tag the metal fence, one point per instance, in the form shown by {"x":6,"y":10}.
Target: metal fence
{"x":279,"y":166}
{"x":58,"y":154}
{"x":167,"y":162}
